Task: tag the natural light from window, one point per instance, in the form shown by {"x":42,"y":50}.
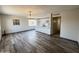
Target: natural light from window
{"x":32,"y":22}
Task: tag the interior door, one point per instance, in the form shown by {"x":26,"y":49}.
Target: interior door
{"x":56,"y":25}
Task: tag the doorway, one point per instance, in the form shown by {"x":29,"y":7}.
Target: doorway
{"x":56,"y":25}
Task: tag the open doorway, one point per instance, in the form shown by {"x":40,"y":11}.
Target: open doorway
{"x":56,"y":25}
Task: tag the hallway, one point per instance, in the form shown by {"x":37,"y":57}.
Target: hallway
{"x":36,"y":42}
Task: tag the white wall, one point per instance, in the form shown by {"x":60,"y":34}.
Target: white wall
{"x":70,"y":24}
{"x":7,"y":24}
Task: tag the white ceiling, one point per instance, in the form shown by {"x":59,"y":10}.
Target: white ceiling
{"x":37,"y":10}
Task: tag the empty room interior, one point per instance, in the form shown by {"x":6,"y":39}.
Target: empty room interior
{"x":39,"y":28}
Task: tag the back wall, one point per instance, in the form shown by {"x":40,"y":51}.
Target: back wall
{"x":7,"y":24}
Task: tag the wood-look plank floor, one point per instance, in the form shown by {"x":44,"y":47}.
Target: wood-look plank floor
{"x":35,"y":42}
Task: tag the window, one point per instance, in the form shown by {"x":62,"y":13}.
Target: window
{"x":32,"y":22}
{"x":16,"y":22}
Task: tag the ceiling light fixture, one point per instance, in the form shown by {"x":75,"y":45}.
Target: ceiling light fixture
{"x":30,"y":14}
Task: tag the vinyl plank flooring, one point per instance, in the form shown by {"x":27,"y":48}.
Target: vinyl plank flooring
{"x":36,"y":42}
